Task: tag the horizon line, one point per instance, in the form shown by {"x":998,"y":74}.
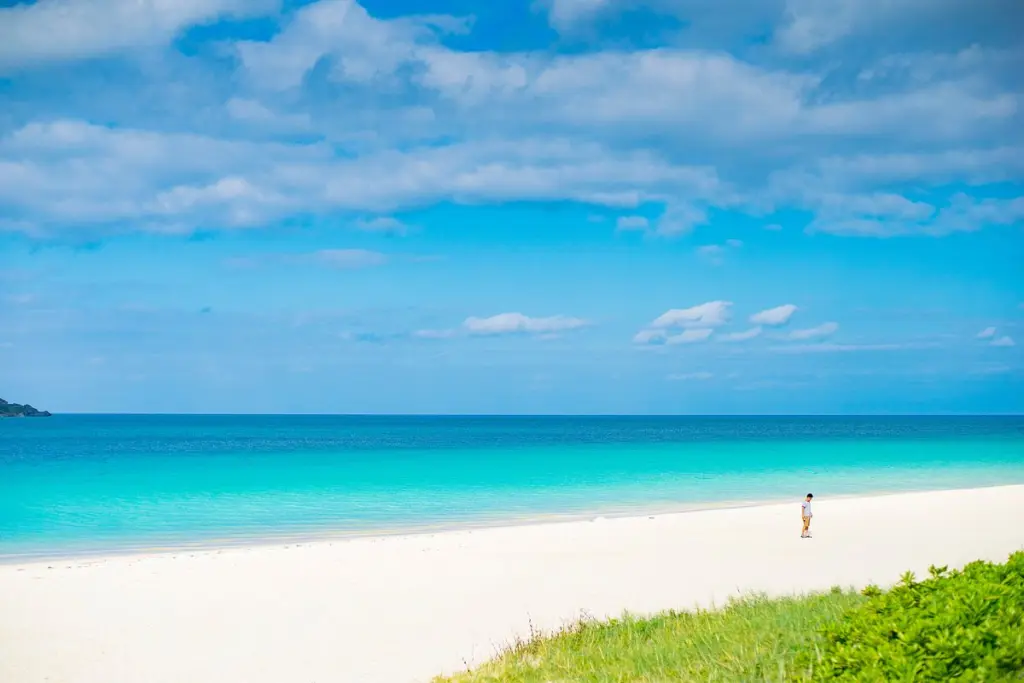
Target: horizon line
{"x":531,"y":415}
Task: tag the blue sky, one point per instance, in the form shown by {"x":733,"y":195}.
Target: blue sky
{"x":564,"y":206}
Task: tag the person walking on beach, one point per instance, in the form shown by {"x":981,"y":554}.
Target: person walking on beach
{"x":805,"y":515}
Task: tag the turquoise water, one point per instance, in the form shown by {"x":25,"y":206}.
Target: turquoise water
{"x":89,"y":484}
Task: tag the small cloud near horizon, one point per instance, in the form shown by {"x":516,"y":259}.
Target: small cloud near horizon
{"x":517,"y":323}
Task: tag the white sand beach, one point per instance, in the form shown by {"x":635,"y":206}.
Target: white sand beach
{"x":405,"y":608}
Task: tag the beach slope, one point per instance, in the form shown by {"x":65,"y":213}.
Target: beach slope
{"x":404,"y":608}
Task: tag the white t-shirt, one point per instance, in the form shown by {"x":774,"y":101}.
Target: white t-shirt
{"x":806,"y":505}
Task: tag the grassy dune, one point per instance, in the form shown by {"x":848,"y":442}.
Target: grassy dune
{"x":753,"y":639}
{"x":964,"y":625}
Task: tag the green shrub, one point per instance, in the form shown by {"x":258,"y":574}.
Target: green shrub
{"x":963,"y":625}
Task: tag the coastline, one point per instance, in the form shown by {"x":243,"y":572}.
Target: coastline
{"x":312,"y":537}
{"x":407,"y":607}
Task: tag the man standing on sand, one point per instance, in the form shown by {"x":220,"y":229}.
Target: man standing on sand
{"x":805,"y":515}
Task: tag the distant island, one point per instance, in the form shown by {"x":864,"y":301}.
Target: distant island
{"x":18,"y":410}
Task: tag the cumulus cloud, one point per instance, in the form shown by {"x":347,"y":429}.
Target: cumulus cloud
{"x":894,"y":215}
{"x":517,"y":323}
{"x":650,"y":337}
{"x":661,"y":336}
{"x":69,"y":171}
{"x":810,"y":26}
{"x":710,"y":314}
{"x":689,"y":336}
{"x":823,"y":330}
{"x":680,"y":218}
{"x":987,"y":333}
{"x":62,"y":30}
{"x":1003,"y":341}
{"x":364,"y":49}
{"x":697,"y":322}
{"x":774,"y":317}
{"x":426,"y":123}
{"x":740,"y":336}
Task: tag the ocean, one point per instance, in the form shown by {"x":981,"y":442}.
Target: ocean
{"x":93,"y":484}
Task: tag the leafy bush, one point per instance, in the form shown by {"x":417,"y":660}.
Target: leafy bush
{"x":963,"y":625}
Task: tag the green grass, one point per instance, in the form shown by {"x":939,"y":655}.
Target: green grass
{"x":756,"y":639}
{"x":963,"y":625}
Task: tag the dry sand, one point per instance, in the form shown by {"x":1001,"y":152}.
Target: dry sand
{"x":404,"y":608}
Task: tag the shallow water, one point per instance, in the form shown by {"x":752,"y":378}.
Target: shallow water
{"x":88,"y":484}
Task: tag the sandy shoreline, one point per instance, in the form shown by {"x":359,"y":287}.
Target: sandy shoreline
{"x":405,"y":607}
{"x":311,"y":537}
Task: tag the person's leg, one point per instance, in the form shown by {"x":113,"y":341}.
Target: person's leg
{"x":806,"y":527}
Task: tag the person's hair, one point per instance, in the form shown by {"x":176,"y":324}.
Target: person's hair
{"x":810,"y":495}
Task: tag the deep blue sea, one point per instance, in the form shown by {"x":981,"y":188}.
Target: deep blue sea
{"x":95,"y":484}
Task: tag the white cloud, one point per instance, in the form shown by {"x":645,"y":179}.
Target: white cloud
{"x":693,"y":96}
{"x":661,"y":336}
{"x":679,"y":219}
{"x":511,"y":323}
{"x":650,"y":337}
{"x":632,"y":223}
{"x":687,"y":376}
{"x":892,"y":215}
{"x":734,"y":244}
{"x":740,"y":336}
{"x":520,"y":126}
{"x":258,"y":114}
{"x":370,"y":46}
{"x":710,"y":314}
{"x":61,"y":30}
{"x":987,"y":333}
{"x":774,"y":317}
{"x":69,"y":171}
{"x":362,"y":49}
{"x":974,"y":165}
{"x":809,"y":26}
{"x":823,"y":330}
{"x":689,"y":336}
{"x":1003,"y":341}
